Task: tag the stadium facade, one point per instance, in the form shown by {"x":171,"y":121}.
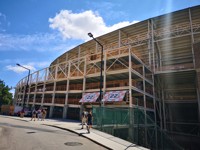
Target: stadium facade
{"x":153,"y":65}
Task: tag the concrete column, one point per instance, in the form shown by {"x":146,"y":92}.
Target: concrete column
{"x":34,"y":97}
{"x":131,"y":111}
{"x":53,"y":94}
{"x":44,"y":87}
{"x":51,"y":111}
{"x":28,"y":95}
{"x":104,"y":73}
{"x":65,"y":112}
{"x":84,"y":85}
{"x":119,"y":39}
{"x":67,"y":92}
{"x":23,"y":100}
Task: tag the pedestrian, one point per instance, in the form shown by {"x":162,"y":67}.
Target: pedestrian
{"x":38,"y":114}
{"x":22,"y":112}
{"x":33,"y":115}
{"x":43,"y":114}
{"x":83,"y":119}
{"x":89,"y":121}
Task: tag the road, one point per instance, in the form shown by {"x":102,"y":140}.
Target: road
{"x":21,"y":135}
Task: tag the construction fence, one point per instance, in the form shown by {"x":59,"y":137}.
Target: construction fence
{"x":129,"y":124}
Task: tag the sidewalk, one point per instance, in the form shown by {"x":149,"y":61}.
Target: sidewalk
{"x":96,"y":136}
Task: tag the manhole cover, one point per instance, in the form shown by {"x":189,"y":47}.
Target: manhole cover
{"x":73,"y":144}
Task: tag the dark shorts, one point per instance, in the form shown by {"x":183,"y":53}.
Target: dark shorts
{"x":89,"y":122}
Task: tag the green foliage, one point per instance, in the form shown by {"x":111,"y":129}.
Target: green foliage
{"x":5,"y":95}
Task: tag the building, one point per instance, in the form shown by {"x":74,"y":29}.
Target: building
{"x":154,"y":64}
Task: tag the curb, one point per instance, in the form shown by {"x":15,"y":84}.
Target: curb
{"x":79,"y":135}
{"x":15,"y":118}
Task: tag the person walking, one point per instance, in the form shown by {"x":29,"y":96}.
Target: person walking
{"x":39,"y":114}
{"x":83,"y":119}
{"x":43,"y":114}
{"x":33,"y":115}
{"x":89,"y":121}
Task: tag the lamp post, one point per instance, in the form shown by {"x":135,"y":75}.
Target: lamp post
{"x":23,"y":105}
{"x":101,"y":76}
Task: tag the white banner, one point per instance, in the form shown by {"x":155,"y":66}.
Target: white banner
{"x":89,"y":97}
{"x":114,"y":96}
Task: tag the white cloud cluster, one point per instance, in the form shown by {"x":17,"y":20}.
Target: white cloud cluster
{"x":37,"y":42}
{"x":18,"y":69}
{"x":77,"y":25}
{"x":3,"y":22}
{"x":33,"y":66}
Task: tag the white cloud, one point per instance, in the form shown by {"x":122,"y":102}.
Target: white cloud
{"x":40,"y":42}
{"x":18,"y":69}
{"x":39,"y":65}
{"x":3,"y":16}
{"x":3,"y":22}
{"x":33,"y":66}
{"x":77,"y":25}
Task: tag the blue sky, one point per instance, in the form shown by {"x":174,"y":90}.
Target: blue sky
{"x":35,"y":32}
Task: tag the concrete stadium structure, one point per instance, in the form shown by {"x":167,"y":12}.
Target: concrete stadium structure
{"x":156,"y":62}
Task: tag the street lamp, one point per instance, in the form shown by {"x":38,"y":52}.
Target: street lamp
{"x":23,"y":105}
{"x":101,"y":76}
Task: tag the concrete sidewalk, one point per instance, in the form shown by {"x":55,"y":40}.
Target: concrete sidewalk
{"x":96,"y":136}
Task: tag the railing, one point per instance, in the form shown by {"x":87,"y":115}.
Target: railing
{"x":47,"y":100}
{"x":38,"y":100}
{"x":59,"y":100}
{"x":49,"y":88}
{"x":73,"y":101}
{"x":115,"y":67}
{"x":30,"y":99}
{"x":92,"y":85}
{"x":75,"y":86}
{"x":61,"y":88}
{"x":175,"y":67}
{"x":117,"y":52}
{"x":117,"y":83}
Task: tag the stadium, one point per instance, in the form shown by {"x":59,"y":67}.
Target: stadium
{"x":152,"y":66}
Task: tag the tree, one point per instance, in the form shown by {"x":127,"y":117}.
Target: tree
{"x":5,"y":95}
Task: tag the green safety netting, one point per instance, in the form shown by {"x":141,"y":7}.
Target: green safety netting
{"x":134,"y":125}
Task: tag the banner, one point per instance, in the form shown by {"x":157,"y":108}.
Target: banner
{"x":114,"y":96}
{"x":89,"y":97}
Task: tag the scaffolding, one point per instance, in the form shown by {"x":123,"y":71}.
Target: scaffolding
{"x":156,"y":61}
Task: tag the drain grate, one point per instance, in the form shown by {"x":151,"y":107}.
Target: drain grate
{"x":73,"y":144}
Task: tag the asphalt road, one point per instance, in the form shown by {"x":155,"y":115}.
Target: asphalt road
{"x":21,"y":135}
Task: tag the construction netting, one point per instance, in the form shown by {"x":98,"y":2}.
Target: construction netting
{"x":134,"y":125}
